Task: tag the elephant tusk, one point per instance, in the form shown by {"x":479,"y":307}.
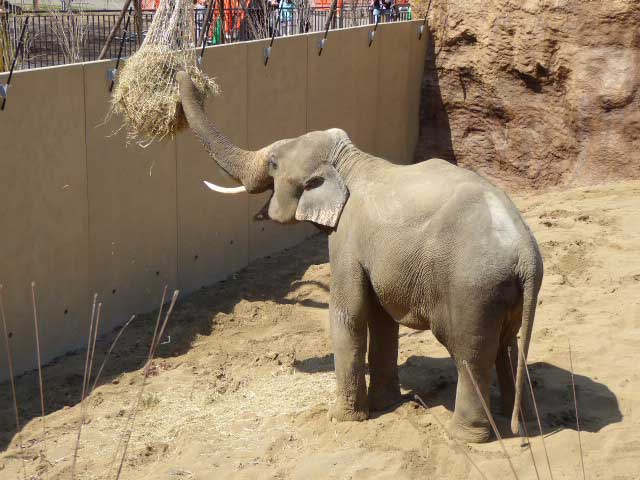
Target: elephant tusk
{"x":219,"y":189}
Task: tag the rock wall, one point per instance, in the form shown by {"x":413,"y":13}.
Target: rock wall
{"x":534,"y":93}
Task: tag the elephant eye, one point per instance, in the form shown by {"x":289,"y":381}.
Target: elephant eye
{"x":272,"y":164}
{"x":313,"y":182}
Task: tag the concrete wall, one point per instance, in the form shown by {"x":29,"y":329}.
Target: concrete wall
{"x":82,"y":212}
{"x":132,"y":210}
{"x":213,"y":232}
{"x":44,"y":212}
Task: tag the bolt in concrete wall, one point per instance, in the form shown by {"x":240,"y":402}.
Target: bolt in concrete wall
{"x":132,"y":210}
{"x":43,"y":213}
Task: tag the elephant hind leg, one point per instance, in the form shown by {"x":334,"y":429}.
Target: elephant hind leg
{"x":469,"y":422}
{"x":475,"y":357}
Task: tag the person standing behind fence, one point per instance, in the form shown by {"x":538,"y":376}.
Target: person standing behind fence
{"x":199,"y":10}
{"x":375,"y":8}
{"x":272,"y":15}
{"x":286,"y":16}
{"x":387,"y":9}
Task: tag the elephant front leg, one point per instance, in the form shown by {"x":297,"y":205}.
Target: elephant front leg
{"x":349,"y":336}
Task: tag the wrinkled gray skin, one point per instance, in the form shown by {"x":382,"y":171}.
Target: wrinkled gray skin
{"x":428,"y":246}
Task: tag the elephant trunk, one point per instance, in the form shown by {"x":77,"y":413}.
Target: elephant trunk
{"x":248,"y":167}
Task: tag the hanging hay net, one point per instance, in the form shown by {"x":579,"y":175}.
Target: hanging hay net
{"x":146,"y":93}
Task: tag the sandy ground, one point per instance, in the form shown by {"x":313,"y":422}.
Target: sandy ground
{"x":244,"y":376}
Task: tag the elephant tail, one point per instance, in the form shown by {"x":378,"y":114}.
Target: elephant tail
{"x":530,"y":287}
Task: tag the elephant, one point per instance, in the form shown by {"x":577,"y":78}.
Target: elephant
{"x":428,"y":245}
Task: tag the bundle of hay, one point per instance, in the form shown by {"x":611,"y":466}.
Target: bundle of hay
{"x":146,"y":94}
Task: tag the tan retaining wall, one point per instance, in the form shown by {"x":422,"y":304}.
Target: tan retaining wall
{"x":82,"y":212}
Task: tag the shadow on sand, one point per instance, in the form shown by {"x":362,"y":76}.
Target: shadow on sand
{"x":434,"y":379}
{"x":275,"y":278}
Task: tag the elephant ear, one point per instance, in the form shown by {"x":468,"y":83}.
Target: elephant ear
{"x":323,"y":198}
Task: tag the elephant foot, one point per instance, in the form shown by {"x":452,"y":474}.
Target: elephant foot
{"x":469,"y":434}
{"x":340,"y":413}
{"x":382,"y":398}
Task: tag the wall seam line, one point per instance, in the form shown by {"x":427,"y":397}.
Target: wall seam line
{"x":407,"y":141}
{"x":86,"y":171}
{"x":306,"y":93}
{"x":175,"y":157}
{"x":377,"y":98}
{"x":249,"y":147}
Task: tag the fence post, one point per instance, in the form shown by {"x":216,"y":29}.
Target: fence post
{"x":137,"y":9}
{"x":426,"y":18}
{"x":207,"y":19}
{"x":327,"y":25}
{"x":223,"y":32}
{"x":4,"y":89}
{"x":205,"y":29}
{"x":112,"y":73}
{"x":112,"y":33}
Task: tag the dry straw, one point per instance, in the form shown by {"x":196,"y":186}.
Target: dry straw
{"x":523,"y":420}
{"x":16,"y":411}
{"x":146,"y":93}
{"x":575,"y":404}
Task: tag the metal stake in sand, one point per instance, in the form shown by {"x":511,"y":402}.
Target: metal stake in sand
{"x":84,"y":386}
{"x":575,"y":403}
{"x":522,"y":419}
{"x":13,"y":384}
{"x":490,"y":417}
{"x":42,"y":412}
{"x":85,"y":394}
{"x":106,"y":357}
{"x":93,"y":347}
{"x":155,"y":330}
{"x":535,"y":408}
{"x":146,"y":366}
{"x":456,"y":441}
{"x":152,"y":351}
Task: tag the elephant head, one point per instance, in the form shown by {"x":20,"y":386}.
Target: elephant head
{"x":301,"y":171}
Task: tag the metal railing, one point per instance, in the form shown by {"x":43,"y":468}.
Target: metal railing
{"x":50,"y":36}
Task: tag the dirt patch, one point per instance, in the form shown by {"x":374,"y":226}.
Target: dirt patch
{"x":245,"y":374}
